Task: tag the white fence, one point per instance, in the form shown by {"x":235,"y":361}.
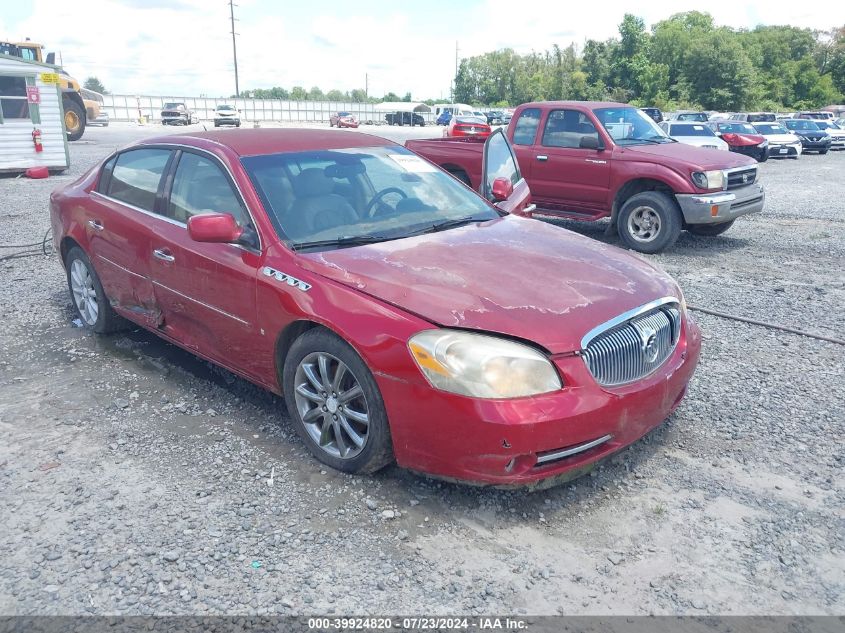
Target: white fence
{"x":131,"y":107}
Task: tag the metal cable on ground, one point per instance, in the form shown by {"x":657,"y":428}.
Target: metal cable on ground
{"x":772,"y":326}
{"x":45,"y":245}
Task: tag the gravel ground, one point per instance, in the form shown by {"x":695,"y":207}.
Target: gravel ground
{"x":136,"y":479}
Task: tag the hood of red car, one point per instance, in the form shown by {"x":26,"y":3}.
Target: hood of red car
{"x":514,"y":276}
{"x":697,"y":158}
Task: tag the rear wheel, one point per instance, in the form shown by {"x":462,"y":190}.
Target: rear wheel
{"x":649,"y":222}
{"x":822,"y":152}
{"x":763,"y":156}
{"x":88,"y":296}
{"x":335,"y":403}
{"x":709,"y":230}
{"x":74,"y":119}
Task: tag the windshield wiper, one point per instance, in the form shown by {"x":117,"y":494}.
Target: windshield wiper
{"x":443,"y":225}
{"x":340,"y":242}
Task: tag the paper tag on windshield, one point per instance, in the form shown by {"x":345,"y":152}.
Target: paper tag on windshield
{"x":698,"y":127}
{"x":413,"y":164}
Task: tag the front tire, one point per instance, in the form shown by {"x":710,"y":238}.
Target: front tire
{"x":709,"y":230}
{"x":75,"y":119}
{"x":822,"y":152}
{"x":335,"y":403}
{"x":649,"y":222}
{"x":87,"y":294}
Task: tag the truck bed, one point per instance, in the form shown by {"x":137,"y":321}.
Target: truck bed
{"x":460,"y":156}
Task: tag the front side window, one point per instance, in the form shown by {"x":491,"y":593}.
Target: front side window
{"x":13,"y":100}
{"x":630,"y":126}
{"x":136,"y":177}
{"x":567,"y":128}
{"x":367,"y":193}
{"x":526,"y":127}
{"x":200,"y":186}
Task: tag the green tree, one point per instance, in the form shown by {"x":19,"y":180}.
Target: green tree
{"x":92,"y":83}
{"x":718,"y":71}
{"x":298,"y":93}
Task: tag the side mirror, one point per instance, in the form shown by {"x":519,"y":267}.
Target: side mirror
{"x":214,"y":227}
{"x":590,"y":142}
{"x":51,"y":59}
{"x":502,"y":189}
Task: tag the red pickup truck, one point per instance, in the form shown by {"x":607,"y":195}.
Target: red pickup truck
{"x":589,"y":160}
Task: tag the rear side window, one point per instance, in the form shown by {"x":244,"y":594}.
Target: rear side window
{"x":526,"y":127}
{"x":566,"y":128}
{"x":136,"y":177}
{"x":200,"y":186}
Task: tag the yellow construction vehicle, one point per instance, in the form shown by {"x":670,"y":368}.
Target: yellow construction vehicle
{"x":74,"y":105}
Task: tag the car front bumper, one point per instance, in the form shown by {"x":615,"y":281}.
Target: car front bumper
{"x":537,"y":441}
{"x":227,"y":121}
{"x":784,"y":151}
{"x":722,"y":206}
{"x":812,"y":145}
{"x":174,"y":118}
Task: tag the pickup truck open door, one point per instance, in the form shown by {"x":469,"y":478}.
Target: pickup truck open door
{"x":501,"y":180}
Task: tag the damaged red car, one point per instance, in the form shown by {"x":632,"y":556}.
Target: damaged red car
{"x":402,"y":316}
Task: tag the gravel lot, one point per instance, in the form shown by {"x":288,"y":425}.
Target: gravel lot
{"x":135,"y":478}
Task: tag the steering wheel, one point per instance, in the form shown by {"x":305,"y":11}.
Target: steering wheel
{"x":370,"y":212}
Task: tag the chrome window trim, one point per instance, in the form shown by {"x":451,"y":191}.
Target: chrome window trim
{"x":128,"y":205}
{"x":625,"y":316}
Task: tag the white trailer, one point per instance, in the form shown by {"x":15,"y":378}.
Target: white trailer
{"x":31,"y":115}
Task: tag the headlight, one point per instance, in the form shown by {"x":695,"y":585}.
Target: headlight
{"x":482,"y":366}
{"x":765,"y":143}
{"x":709,"y":179}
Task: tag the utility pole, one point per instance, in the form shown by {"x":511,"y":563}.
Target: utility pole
{"x":455,"y":80}
{"x":234,"y":46}
{"x":366,"y":84}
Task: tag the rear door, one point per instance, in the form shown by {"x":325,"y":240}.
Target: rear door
{"x":206,"y":291}
{"x":566,"y":175}
{"x":119,"y":228}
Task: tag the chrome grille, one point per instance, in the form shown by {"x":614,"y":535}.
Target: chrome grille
{"x":741,"y":177}
{"x":635,"y":348}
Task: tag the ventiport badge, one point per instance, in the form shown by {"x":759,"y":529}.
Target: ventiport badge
{"x":278,"y":275}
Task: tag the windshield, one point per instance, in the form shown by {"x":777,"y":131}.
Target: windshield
{"x":173,"y":106}
{"x":342,"y":114}
{"x":692,"y":116}
{"x":225,"y":107}
{"x":690,"y":129}
{"x":802,"y":125}
{"x":770,"y":128}
{"x":737,"y":128}
{"x":377,"y":193}
{"x":825,"y":125}
{"x":630,"y":126}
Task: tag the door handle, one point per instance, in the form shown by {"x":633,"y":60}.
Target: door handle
{"x":542,"y":157}
{"x":96,"y":225}
{"x":163,"y":255}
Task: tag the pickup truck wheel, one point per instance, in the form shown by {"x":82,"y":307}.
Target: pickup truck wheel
{"x":709,"y":230}
{"x":649,"y":222}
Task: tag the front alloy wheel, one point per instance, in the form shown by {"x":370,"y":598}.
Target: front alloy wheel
{"x":335,"y":403}
{"x":332,"y":405}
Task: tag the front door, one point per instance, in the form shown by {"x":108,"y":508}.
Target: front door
{"x":206,"y":291}
{"x":568,"y":172}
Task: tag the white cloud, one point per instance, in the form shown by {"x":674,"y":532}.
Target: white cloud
{"x":183,"y":47}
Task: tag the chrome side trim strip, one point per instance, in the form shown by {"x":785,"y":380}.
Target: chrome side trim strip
{"x":198,"y":302}
{"x":551,"y":457}
{"x":123,"y":268}
{"x":625,"y":316}
{"x":139,"y":209}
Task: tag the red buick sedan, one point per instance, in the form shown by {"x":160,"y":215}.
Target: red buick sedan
{"x":343,"y":119}
{"x":401,"y":315}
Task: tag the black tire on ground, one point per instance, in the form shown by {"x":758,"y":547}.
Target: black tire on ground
{"x":77,"y":113}
{"x":794,"y":157}
{"x":107,"y":319}
{"x":763,"y":157}
{"x":377,"y":451}
{"x":216,"y":124}
{"x":709,"y":230}
{"x":649,"y":222}
{"x":238,"y":124}
{"x":822,"y":152}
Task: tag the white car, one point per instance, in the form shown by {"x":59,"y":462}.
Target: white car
{"x":225,"y":114}
{"x":782,"y":142}
{"x":691,"y":133}
{"x":836,"y":132}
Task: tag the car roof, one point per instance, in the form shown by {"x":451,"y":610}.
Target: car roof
{"x":267,"y":141}
{"x":581,"y":104}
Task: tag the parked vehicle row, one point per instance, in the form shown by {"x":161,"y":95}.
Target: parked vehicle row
{"x":388,"y":304}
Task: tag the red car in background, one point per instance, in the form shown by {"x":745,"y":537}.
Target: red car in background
{"x":467,"y":126}
{"x":742,"y":138}
{"x":343,"y":119}
{"x":401,"y":315}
